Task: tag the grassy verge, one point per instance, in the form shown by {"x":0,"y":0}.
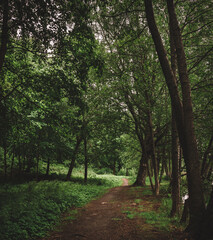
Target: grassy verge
{"x":154,"y":211}
{"x":29,"y":210}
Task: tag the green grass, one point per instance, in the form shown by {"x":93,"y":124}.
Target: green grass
{"x":29,"y":210}
{"x":159,"y":218}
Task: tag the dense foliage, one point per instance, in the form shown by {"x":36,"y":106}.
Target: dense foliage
{"x":30,"y":210}
{"x":82,"y":85}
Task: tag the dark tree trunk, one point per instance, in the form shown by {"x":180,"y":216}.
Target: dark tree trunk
{"x":85,"y":159}
{"x":153,"y":155}
{"x":19,"y":164}
{"x":175,"y":182}
{"x":150,"y":178}
{"x":37,"y":164}
{"x":189,"y":144}
{"x":142,"y":171}
{"x":185,"y":213}
{"x":175,"y":171}
{"x":210,"y":170}
{"x":12,"y":162}
{"x":5,"y":160}
{"x":72,"y":163}
{"x":141,"y":176}
{"x":161,"y":172}
{"x":48,"y":167}
{"x":183,"y":112}
{"x":207,"y":226}
{"x":205,"y":156}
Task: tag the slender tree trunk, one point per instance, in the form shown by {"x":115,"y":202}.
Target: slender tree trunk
{"x":5,"y":160}
{"x":19,"y":163}
{"x":153,"y":154}
{"x":183,"y":112}
{"x":161,"y":172}
{"x":185,"y":213}
{"x":207,"y":225}
{"x":175,"y":171}
{"x":150,"y":178}
{"x":12,"y":162}
{"x":175,"y":160}
{"x":37,"y":164}
{"x":190,"y":151}
{"x":85,"y":159}
{"x":24,"y":162}
{"x":72,"y":163}
{"x":209,"y":174}
{"x":205,"y":156}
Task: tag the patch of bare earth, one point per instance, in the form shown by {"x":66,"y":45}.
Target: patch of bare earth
{"x":105,"y":219}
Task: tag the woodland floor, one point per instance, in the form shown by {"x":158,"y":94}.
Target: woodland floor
{"x":105,"y":219}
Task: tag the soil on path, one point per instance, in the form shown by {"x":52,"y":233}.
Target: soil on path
{"x":106,"y":219}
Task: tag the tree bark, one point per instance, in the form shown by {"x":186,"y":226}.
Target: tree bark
{"x":205,"y":156}
{"x":141,"y":176}
{"x":175,"y":181}
{"x":5,"y":159}
{"x":153,"y":155}
{"x":150,"y":178}
{"x":183,"y":112}
{"x":85,"y":159}
{"x":175,"y":171}
{"x":48,"y":167}
{"x":12,"y":162}
{"x":207,"y":229}
{"x":190,"y":151}
{"x":72,"y":163}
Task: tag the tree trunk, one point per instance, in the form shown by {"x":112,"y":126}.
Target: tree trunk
{"x":185,"y":214}
{"x":205,"y":156}
{"x":141,"y":176}
{"x":5,"y":160}
{"x":210,"y":171}
{"x":183,"y":112}
{"x":72,"y":163}
{"x":189,"y":145}
{"x":37,"y":164}
{"x":152,"y":147}
{"x":175,"y":183}
{"x":12,"y":162}
{"x":85,"y":159}
{"x":150,"y":178}
{"x":175,"y":171}
{"x":207,"y":226}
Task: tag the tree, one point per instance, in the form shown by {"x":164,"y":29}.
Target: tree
{"x":183,"y":111}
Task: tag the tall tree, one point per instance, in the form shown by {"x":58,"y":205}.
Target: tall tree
{"x":183,"y":111}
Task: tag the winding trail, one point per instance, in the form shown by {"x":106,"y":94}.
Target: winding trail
{"x":105,"y":219}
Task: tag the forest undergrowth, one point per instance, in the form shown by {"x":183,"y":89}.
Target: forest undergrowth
{"x":29,"y":210}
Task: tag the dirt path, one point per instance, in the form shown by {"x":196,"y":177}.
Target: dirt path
{"x":105,"y":219}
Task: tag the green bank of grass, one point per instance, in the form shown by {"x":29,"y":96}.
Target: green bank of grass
{"x":155,"y":211}
{"x":29,"y":210}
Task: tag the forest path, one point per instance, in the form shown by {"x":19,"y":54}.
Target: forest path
{"x":106,"y":218}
